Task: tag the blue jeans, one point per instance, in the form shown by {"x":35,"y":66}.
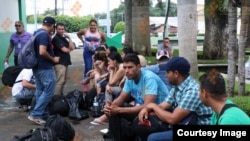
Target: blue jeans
{"x":87,"y":56}
{"x":45,"y":87}
{"x":24,"y":97}
{"x":161,"y":136}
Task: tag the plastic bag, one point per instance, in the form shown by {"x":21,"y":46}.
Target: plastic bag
{"x":6,"y":65}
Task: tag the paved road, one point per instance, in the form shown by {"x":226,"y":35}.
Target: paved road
{"x":13,"y":121}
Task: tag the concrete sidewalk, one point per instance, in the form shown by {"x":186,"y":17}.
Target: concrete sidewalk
{"x":14,"y":121}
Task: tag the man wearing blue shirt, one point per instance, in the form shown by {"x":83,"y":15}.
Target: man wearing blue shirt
{"x":44,"y":72}
{"x":166,"y":46}
{"x":162,"y":57}
{"x":144,"y":86}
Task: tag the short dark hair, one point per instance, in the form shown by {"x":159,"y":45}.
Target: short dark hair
{"x":92,"y":20}
{"x":60,"y":24}
{"x":100,"y":49}
{"x":214,"y":83}
{"x":166,"y":38}
{"x":127,"y":50}
{"x":115,"y":56}
{"x":112,"y":49}
{"x":131,"y":57}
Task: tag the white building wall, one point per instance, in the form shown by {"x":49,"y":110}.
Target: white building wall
{"x":9,"y":13}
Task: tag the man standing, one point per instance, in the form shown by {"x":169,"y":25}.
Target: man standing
{"x":63,"y":45}
{"x":144,"y":86}
{"x":166,"y":46}
{"x":44,"y":72}
{"x":17,"y":41}
{"x":183,"y":99}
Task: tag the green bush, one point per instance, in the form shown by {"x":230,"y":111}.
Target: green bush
{"x":119,"y":27}
{"x":171,"y":34}
{"x":243,"y":102}
{"x":201,"y":34}
{"x":153,"y":51}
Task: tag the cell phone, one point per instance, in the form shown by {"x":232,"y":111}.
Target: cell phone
{"x":146,"y":123}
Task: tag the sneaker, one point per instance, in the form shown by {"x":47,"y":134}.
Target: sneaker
{"x":104,"y":131}
{"x":96,"y":121}
{"x":37,"y":120}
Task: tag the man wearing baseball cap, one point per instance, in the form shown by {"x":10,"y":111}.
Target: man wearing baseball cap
{"x":44,"y":72}
{"x":162,"y":58}
{"x":183,"y":97}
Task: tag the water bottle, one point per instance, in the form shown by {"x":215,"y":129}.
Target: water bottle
{"x":95,"y":110}
{"x":95,"y":103}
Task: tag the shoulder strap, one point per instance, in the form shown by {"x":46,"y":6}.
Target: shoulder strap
{"x":37,"y":33}
{"x":18,"y":81}
{"x":225,"y":107}
{"x":23,"y":137}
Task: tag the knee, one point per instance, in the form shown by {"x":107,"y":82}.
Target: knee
{"x":151,"y":137}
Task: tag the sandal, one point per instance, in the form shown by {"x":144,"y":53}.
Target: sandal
{"x":36,"y":121}
{"x":96,"y":121}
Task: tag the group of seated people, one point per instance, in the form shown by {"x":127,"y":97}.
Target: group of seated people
{"x":134,"y":89}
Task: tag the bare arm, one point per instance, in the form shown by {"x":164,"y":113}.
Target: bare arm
{"x":10,"y":49}
{"x":117,"y":77}
{"x":71,"y":45}
{"x":160,"y":110}
{"x":28,"y":85}
{"x":135,"y":109}
{"x":103,"y":37}
{"x":43,"y":52}
{"x":80,"y":33}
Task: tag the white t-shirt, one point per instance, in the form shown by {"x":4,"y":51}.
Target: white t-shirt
{"x":25,"y":74}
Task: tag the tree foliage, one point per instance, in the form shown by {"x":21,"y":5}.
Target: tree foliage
{"x":117,"y":15}
{"x":120,"y":26}
{"x":72,"y":23}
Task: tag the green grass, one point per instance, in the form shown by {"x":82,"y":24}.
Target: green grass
{"x":236,"y":86}
{"x":242,"y":102}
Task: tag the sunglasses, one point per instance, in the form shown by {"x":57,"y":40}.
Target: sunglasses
{"x":17,"y":25}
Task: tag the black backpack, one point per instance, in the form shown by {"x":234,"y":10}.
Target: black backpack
{"x":10,"y":74}
{"x":38,"y":134}
{"x":76,"y":102}
{"x":64,"y":131}
{"x":58,"y":105}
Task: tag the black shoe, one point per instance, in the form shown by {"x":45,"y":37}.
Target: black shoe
{"x":24,"y":107}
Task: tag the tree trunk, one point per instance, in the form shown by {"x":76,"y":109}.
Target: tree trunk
{"x":165,"y":32}
{"x":128,"y":26}
{"x":216,"y":30}
{"x":232,"y":44}
{"x":140,"y":27}
{"x":187,"y":32}
{"x":242,"y":44}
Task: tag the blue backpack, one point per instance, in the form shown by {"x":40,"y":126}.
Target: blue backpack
{"x":27,"y":57}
